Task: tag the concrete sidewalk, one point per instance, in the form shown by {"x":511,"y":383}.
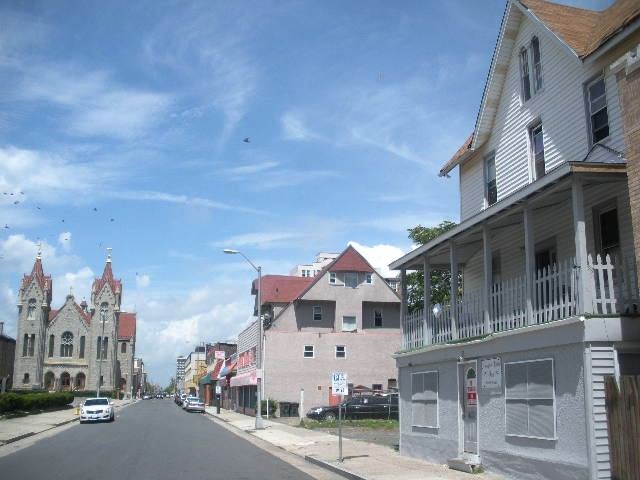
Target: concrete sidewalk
{"x":362,"y":460}
{"x":14,"y":429}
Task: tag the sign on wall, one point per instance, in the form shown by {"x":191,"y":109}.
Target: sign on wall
{"x":219,"y":354}
{"x":339,"y":384}
{"x":492,"y":373}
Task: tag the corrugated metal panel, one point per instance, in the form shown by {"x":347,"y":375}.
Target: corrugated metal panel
{"x":602,"y":363}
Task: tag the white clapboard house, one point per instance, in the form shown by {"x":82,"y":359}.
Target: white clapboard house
{"x":544,"y":302}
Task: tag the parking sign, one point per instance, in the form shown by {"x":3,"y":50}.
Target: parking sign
{"x":339,"y":383}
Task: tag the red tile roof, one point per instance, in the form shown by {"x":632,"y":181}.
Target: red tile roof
{"x":37,"y":273}
{"x":126,"y":326}
{"x":107,"y":277}
{"x":281,"y":288}
{"x":350,"y":261}
{"x":584,"y":30}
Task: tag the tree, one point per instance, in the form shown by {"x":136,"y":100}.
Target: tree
{"x":171,"y":387}
{"x":440,"y":279}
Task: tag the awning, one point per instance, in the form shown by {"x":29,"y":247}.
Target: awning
{"x":227,"y":370}
{"x":206,"y":379}
{"x":249,"y":378}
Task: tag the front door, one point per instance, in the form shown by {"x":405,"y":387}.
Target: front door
{"x":469,"y":410}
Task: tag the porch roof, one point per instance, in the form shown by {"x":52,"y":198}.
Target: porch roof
{"x":413,"y":259}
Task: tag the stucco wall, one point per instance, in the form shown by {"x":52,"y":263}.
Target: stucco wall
{"x":521,"y":458}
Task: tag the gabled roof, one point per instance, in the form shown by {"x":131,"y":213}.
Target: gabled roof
{"x":37,"y":273}
{"x":584,"y":31}
{"x":107,"y":278}
{"x":350,"y":261}
{"x":280,"y":288}
{"x":581,"y":31}
{"x":126,"y":326}
{"x":84,"y":315}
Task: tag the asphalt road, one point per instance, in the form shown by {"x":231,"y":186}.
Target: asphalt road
{"x":152,"y":439}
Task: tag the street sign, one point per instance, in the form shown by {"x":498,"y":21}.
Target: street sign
{"x":218,"y":389}
{"x":339,"y":384}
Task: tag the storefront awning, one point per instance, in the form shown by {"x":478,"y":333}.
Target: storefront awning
{"x":248,"y":378}
{"x":206,"y":379}
{"x":227,"y":370}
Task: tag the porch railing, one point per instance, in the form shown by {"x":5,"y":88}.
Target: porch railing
{"x":612,"y":289}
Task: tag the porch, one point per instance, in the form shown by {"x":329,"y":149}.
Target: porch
{"x":559,"y":248}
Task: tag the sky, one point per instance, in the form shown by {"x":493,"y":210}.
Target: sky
{"x":123,"y":125}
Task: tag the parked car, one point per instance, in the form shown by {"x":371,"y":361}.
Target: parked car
{"x":146,"y":397}
{"x":189,"y":399}
{"x":195,"y":405}
{"x":98,"y":409}
{"x":181,"y":398}
{"x":369,"y":406}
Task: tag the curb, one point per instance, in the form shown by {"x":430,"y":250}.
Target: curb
{"x":333,"y":468}
{"x":31,"y":434}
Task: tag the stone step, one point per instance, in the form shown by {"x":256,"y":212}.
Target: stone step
{"x":462,"y":465}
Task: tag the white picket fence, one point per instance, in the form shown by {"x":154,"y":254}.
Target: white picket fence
{"x":614,"y":289}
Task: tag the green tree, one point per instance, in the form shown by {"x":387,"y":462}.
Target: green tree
{"x":440,"y":279}
{"x":171,"y":387}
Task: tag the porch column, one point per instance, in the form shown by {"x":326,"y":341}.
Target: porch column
{"x":529,"y":263}
{"x":585,"y":302}
{"x":488,"y":277}
{"x":453,"y":260}
{"x":403,"y":296}
{"x":426,"y":268}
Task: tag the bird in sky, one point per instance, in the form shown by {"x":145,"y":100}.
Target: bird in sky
{"x":95,"y":209}
{"x":247,"y":140}
{"x":6,"y":226}
{"x":112,"y":220}
{"x":38,"y":207}
{"x":16,"y":202}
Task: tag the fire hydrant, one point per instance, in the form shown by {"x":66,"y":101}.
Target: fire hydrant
{"x":78,"y":410}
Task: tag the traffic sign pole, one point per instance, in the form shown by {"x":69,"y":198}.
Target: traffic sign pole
{"x":340,"y":459}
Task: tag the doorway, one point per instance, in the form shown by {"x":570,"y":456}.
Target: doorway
{"x":469,"y":406}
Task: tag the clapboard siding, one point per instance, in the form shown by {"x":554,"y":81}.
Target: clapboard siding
{"x":561,"y":108}
{"x":552,"y":225}
{"x":602,"y":363}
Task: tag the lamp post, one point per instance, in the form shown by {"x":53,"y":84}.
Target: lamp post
{"x":101,"y":352}
{"x":259,"y":423}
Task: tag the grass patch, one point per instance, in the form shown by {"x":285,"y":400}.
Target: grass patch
{"x":372,"y":423}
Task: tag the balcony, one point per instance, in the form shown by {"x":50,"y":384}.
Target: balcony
{"x":609,"y":288}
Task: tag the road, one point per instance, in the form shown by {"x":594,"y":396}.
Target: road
{"x":152,"y":439}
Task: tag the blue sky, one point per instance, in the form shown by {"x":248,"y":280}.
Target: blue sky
{"x":123,"y":124}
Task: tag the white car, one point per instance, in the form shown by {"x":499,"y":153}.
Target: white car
{"x":190,"y":399}
{"x":97,"y":409}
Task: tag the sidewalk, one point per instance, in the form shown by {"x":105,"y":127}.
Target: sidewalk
{"x":362,"y":460}
{"x":14,"y":429}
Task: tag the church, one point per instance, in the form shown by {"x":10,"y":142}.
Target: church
{"x":77,"y":347}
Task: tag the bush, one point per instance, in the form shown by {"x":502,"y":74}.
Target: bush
{"x":273,"y":406}
{"x":93,"y":393}
{"x":10,"y":402}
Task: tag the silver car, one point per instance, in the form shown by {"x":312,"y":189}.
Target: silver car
{"x":193,"y":404}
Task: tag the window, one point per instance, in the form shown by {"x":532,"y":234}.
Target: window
{"x":98,"y":348}
{"x":105,"y":344}
{"x":31,"y":309}
{"x":537,"y":151}
{"x":25,"y":378}
{"x":25,"y":345}
{"x":341,"y":351}
{"x":369,"y":278}
{"x":536,"y":64}
{"x":598,"y":116}
{"x":349,"y":324}
{"x":607,"y":231}
{"x":317,"y":313}
{"x":308,"y":351}
{"x":491,"y":189}
{"x":123,"y":347}
{"x":377,"y":387}
{"x":351,"y":279}
{"x":32,"y":344}
{"x":332,"y":278}
{"x":525,"y":81}
{"x":377,"y":317}
{"x":104,"y":307}
{"x":66,"y":344}
{"x":546,"y":256}
{"x":82,"y":346}
{"x":424,"y":399}
{"x":51,"y":345}
{"x":101,"y":380}
{"x":529,"y":399}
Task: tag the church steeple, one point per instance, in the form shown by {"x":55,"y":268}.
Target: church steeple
{"x":37,"y":274}
{"x":107,"y":279}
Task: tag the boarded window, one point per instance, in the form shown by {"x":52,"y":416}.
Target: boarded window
{"x":348,"y":324}
{"x":529,"y":399}
{"x":424,"y":399}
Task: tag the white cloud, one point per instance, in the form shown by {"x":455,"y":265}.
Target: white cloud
{"x":95,"y":104}
{"x":64,"y":239}
{"x":252,"y":168}
{"x":380,"y":256}
{"x":294,"y":128}
{"x":80,"y":281}
{"x":143,"y":280}
{"x":258,"y":239}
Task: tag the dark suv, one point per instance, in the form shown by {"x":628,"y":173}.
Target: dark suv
{"x":369,"y":406}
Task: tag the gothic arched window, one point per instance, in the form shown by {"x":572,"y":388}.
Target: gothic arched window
{"x":104,"y":308}
{"x":31,"y":309}
{"x":66,"y":344}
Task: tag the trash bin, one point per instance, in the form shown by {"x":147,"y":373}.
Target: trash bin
{"x":293,"y":409}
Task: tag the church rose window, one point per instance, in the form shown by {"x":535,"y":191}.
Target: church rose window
{"x":66,"y":344}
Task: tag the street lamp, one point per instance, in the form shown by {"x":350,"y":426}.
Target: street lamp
{"x":259,"y":424}
{"x":101,"y":352}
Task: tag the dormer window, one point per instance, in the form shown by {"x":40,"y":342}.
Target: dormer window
{"x":332,"y":278}
{"x":369,"y":278}
{"x":530,"y":66}
{"x":537,"y":151}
